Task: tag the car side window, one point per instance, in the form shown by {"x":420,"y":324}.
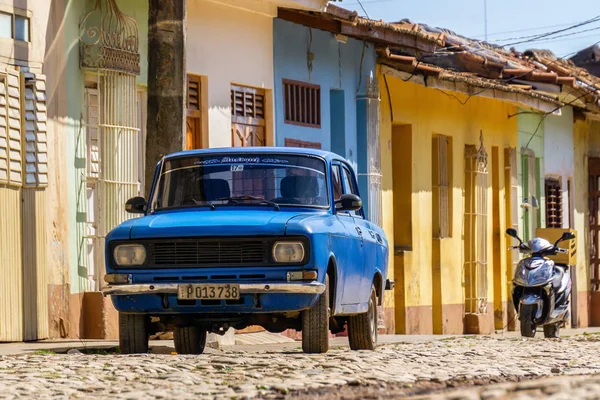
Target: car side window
{"x":337,"y":182}
{"x":349,"y":187}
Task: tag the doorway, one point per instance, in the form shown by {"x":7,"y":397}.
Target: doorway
{"x":594,"y":225}
{"x":338,"y":122}
{"x":402,"y":214}
{"x":247,"y":116}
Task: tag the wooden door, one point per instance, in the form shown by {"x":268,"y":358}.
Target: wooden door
{"x":193,"y":129}
{"x":248,"y":135}
{"x":247,"y":116}
{"x":594,"y":195}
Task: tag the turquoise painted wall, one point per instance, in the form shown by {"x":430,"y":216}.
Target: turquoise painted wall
{"x":531,"y":136}
{"x":341,"y":70}
{"x":76,"y":162}
{"x":138,"y":9}
{"x":76,"y":150}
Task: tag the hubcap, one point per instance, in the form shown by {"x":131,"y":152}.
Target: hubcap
{"x":372,"y":321}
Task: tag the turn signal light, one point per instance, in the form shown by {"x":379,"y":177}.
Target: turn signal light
{"x":117,"y":279}
{"x":301,"y":275}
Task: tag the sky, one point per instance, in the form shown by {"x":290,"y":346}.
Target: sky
{"x":506,"y":19}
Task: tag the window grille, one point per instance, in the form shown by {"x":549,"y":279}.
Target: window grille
{"x":374,"y":178}
{"x":530,"y":181}
{"x":302,"y":103}
{"x":441,"y":186}
{"x":554,"y":206}
{"x":476,"y":190}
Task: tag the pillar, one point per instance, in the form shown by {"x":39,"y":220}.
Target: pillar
{"x":166,"y":82}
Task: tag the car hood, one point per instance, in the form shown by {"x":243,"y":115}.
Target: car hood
{"x":220,"y":222}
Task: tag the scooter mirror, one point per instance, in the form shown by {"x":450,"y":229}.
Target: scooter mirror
{"x":511,"y":232}
{"x":567,"y":236}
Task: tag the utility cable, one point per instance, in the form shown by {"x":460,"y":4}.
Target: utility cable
{"x":543,"y":35}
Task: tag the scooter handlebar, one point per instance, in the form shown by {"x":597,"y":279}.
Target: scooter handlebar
{"x":562,"y":251}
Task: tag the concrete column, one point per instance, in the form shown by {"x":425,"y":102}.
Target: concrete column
{"x":166,"y":81}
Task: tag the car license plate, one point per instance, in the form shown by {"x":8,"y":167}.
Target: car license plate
{"x":207,"y":291}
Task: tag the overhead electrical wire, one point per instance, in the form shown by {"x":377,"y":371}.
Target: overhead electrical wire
{"x":547,"y":34}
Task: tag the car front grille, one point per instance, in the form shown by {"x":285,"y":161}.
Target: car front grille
{"x":207,"y":252}
{"x":211,"y":252}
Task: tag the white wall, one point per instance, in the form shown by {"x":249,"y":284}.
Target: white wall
{"x":229,"y":45}
{"x":559,"y":154}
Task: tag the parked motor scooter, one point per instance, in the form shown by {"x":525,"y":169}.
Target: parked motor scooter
{"x":541,"y":288}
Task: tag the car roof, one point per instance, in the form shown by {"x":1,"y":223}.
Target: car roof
{"x":327,"y":155}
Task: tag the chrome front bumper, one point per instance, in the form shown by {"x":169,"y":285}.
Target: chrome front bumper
{"x":245,"y":288}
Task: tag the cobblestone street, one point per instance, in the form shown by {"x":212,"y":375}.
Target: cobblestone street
{"x":394,"y":370}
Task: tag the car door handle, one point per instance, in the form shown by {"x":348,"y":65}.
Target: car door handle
{"x":358,"y":230}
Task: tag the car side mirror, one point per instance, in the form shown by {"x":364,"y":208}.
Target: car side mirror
{"x":136,"y":205}
{"x":348,"y":202}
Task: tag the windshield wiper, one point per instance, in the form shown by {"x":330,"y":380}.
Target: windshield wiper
{"x":262,"y":201}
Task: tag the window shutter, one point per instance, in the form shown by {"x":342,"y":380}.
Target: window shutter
{"x":36,"y":137}
{"x":441,"y":187}
{"x":247,"y":102}
{"x":4,"y":160}
{"x":193,"y":93}
{"x":13,"y":138}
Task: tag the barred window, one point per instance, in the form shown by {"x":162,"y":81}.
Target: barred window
{"x":302,"y":103}
{"x":554,"y":207}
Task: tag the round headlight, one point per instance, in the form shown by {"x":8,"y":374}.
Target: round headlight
{"x":288,"y":252}
{"x":129,"y":254}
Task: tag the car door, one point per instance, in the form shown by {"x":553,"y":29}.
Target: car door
{"x":366,"y":262}
{"x":349,"y":250}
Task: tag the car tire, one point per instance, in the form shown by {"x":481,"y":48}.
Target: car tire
{"x":189,"y":340}
{"x":315,"y":324}
{"x":526,"y":315}
{"x":362,"y":328}
{"x":552,"y":331}
{"x":133,"y":333}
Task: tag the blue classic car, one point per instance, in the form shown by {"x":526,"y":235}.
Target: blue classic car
{"x":235,"y":237}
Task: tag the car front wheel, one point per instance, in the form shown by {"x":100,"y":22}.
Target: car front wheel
{"x":315,"y":324}
{"x":362,"y":328}
{"x":189,"y":340}
{"x":133,"y":333}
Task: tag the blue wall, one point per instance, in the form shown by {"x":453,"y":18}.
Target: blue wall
{"x":291,"y":42}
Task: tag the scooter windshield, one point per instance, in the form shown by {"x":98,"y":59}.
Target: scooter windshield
{"x":533,"y":272}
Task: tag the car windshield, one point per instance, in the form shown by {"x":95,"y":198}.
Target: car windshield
{"x":241,"y":180}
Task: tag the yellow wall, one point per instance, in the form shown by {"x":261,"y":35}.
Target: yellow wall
{"x":430,"y":111}
{"x":586,"y":141}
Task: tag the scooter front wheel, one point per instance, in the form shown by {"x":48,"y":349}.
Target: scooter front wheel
{"x":527,"y":314}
